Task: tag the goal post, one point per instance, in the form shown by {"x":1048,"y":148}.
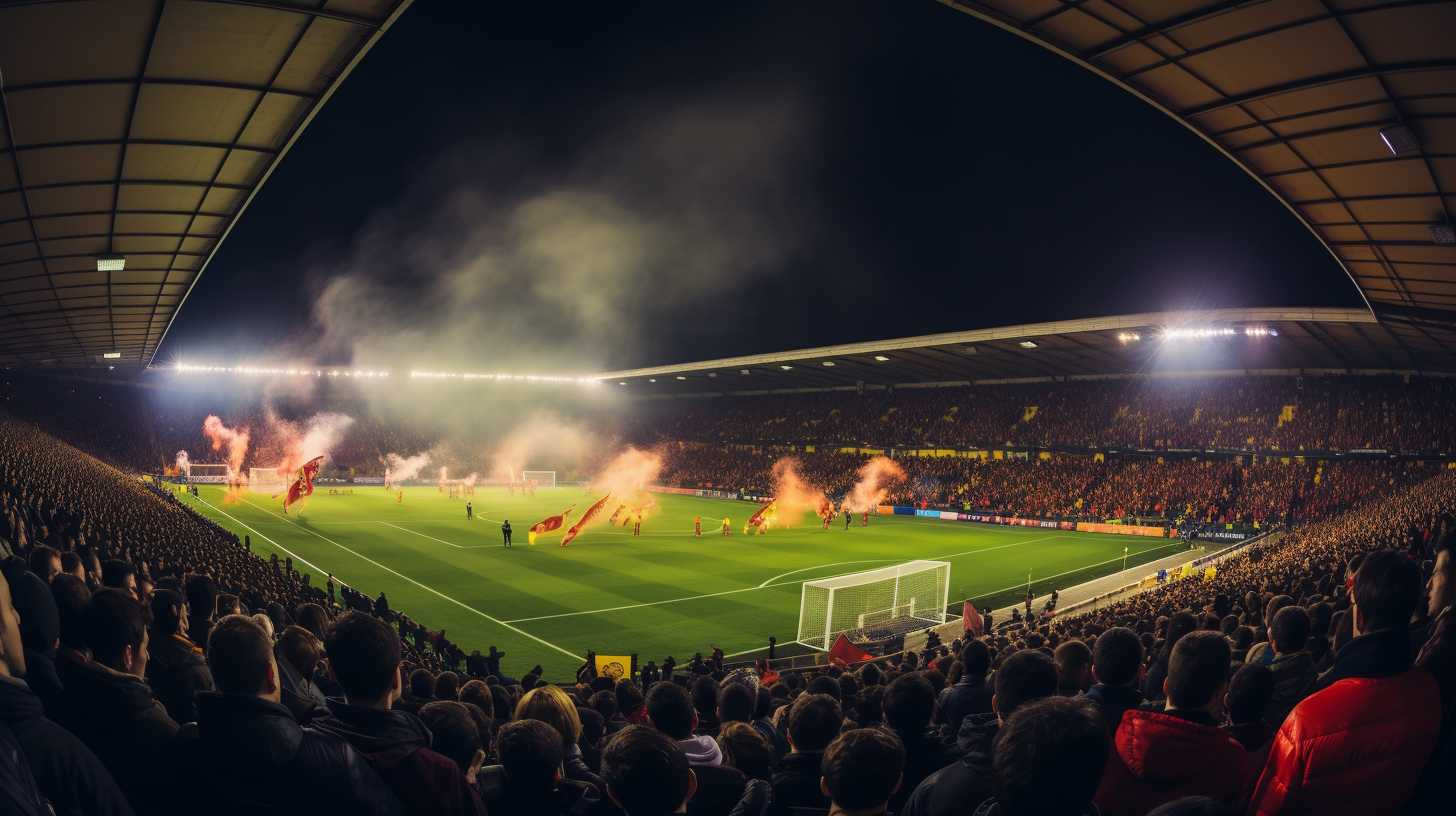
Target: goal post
{"x":542,"y":478}
{"x":913,"y":592}
{"x":207,"y":474}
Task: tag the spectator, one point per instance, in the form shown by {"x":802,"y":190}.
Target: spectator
{"x":421,"y":691}
{"x":1180,"y":751}
{"x":1358,"y":743}
{"x":118,"y":574}
{"x":746,"y":750}
{"x":1025,"y":676}
{"x":550,"y":705}
{"x":670,"y":710}
{"x":176,"y":671}
{"x":111,"y":707}
{"x":364,"y":653}
{"x":647,"y":774}
{"x":529,"y":778}
{"x":1293,"y":667}
{"x":201,"y":595}
{"x":1049,"y":759}
{"x":1179,"y":625}
{"x":40,"y":629}
{"x":298,"y":654}
{"x":45,"y":562}
{"x":971,"y":694}
{"x":1115,"y":665}
{"x":813,"y":722}
{"x":705,"y":703}
{"x":453,"y":733}
{"x":736,"y":703}
{"x":1074,"y":668}
{"x":247,"y":754}
{"x":862,"y":771}
{"x":909,"y":703}
{"x":1249,"y":693}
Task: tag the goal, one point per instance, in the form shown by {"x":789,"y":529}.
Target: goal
{"x":207,"y":474}
{"x":265,"y":478}
{"x":542,"y":478}
{"x":906,"y":597}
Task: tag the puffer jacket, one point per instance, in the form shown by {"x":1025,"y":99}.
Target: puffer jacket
{"x":1357,"y":745}
{"x":1161,"y":756}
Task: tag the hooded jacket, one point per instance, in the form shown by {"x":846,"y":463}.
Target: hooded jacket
{"x":1161,"y":756}
{"x":116,"y":716}
{"x":962,"y":784}
{"x":970,"y":695}
{"x":397,"y":744}
{"x":1294,"y":673}
{"x":796,"y":782}
{"x":719,"y":787}
{"x":701,"y":749}
{"x":176,"y":673}
{"x":65,"y":770}
{"x":247,"y":755}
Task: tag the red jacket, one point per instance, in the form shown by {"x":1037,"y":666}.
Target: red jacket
{"x":1158,"y":757}
{"x":1358,"y":746}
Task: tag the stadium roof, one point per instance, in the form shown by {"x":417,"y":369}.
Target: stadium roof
{"x":1345,"y":110}
{"x":1158,"y":343}
{"x":142,"y":129}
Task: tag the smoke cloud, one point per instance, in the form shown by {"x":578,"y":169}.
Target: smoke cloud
{"x":401,"y":468}
{"x":291,"y":444}
{"x":793,"y":496}
{"x":184,"y":463}
{"x":545,"y":441}
{"x":875,"y":479}
{"x":233,"y":444}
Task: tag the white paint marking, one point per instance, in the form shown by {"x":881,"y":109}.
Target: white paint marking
{"x":432,"y":538}
{"x":295,"y":555}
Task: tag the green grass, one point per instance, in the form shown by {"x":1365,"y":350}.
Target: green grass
{"x":666,"y":592}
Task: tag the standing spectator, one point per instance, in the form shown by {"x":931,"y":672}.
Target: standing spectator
{"x":248,"y":755}
{"x":1293,"y":667}
{"x":862,"y":770}
{"x":670,"y":710}
{"x":971,"y":694}
{"x":1115,"y":664}
{"x":814,"y":722}
{"x":1180,"y":751}
{"x":1249,"y":693}
{"x":909,"y":703}
{"x":201,"y":595}
{"x":529,"y":779}
{"x":176,"y":670}
{"x":1359,"y":742}
{"x":1049,"y":759}
{"x":365,"y":656}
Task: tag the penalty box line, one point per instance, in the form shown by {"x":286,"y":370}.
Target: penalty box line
{"x":429,"y":589}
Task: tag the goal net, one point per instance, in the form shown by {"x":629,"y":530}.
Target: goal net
{"x":542,"y":478}
{"x":915,"y":592}
{"x":207,"y":474}
{"x":265,"y":478}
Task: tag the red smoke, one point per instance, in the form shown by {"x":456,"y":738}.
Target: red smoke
{"x":793,"y":496}
{"x":875,"y":478}
{"x":234,"y":441}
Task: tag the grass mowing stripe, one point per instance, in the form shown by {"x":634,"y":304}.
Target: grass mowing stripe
{"x":1083,"y":568}
{"x":432,"y":538}
{"x":426,"y":588}
{"x":291,"y":553}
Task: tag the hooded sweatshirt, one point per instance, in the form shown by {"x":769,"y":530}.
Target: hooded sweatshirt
{"x":701,"y":750}
{"x":1161,"y":756}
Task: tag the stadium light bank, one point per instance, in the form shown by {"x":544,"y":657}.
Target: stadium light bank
{"x":1209,"y":333}
{"x":375,"y":374}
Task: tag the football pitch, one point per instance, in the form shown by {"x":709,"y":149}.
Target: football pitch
{"x":665,"y":592}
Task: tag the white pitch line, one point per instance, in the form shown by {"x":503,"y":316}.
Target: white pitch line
{"x":295,"y":555}
{"x":428,"y":589}
{"x":822,"y":566}
{"x":432,"y":538}
{"x":1071,"y":571}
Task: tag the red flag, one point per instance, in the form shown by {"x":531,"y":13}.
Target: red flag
{"x":845,"y":653}
{"x":971,"y":619}
{"x":582,"y":522}
{"x":755,"y":519}
{"x":303,"y":484}
{"x":546,"y":525}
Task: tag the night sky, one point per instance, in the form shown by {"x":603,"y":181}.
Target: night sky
{"x":940,"y":175}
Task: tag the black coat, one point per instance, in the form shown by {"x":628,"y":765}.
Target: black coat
{"x":250,"y":756}
{"x":971,"y":695}
{"x":925,"y":754}
{"x":65,"y":770}
{"x":719,"y":789}
{"x":1113,"y":702}
{"x":796,"y":783}
{"x":962,"y":785}
{"x":176,"y":672}
{"x":568,"y":798}
{"x":117,"y":717}
{"x":18,"y":792}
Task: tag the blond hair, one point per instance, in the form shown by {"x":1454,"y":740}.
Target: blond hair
{"x":552,"y":706}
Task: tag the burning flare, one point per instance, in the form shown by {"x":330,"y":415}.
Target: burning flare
{"x":875,"y":478}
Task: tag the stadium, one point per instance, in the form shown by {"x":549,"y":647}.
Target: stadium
{"x":651,"y":413}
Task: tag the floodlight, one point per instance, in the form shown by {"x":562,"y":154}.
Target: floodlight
{"x":621,"y":383}
{"x":110,"y":263}
{"x":1128,"y":337}
{"x":1027,"y":344}
{"x":111,"y":355}
{"x":743,"y":371}
{"x":712,"y":374}
{"x":785,"y":367}
{"x":880,"y":358}
{"x":828,"y":364}
{"x":1400,"y":140}
{"x":681,"y":377}
{"x":652,"y":379}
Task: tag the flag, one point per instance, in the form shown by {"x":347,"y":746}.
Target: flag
{"x":614,"y":666}
{"x":546,"y":525}
{"x":845,"y":653}
{"x":971,"y":619}
{"x":303,"y":483}
{"x":760,"y":516}
{"x":582,"y":522}
{"x":616,"y":514}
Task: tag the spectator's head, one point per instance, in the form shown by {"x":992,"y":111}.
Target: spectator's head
{"x":824,"y":684}
{"x":629,"y":697}
{"x":975,"y":659}
{"x":1074,"y":667}
{"x":72,"y":597}
{"x":861,"y":770}
{"x":1048,"y":758}
{"x":116,"y":632}
{"x":1290,"y":630}
{"x":1026,"y":675}
{"x":476,"y":692}
{"x":422,"y":684}
{"x":746,"y":749}
{"x":447,"y":686}
{"x":603,"y":703}
{"x":670,"y":710}
{"x":228,"y":604}
{"x":312,"y":617}
{"x":909,"y":703}
{"x":169,"y":614}
{"x":201,"y":595}
{"x":705,"y":697}
{"x":300,"y":649}
{"x":12,"y":650}
{"x":646,"y":773}
{"x":240,"y":657}
{"x":1441,"y":591}
{"x":118,"y":574}
{"x":40,"y":622}
{"x":814,"y":721}
{"x":531,"y":753}
{"x":1117,"y":657}
{"x":453,"y":732}
{"x":45,"y":562}
{"x":1387,"y":592}
{"x":364,"y":655}
{"x":736,"y":703}
{"x":71,"y":565}
{"x":1249,"y":693}
{"x":552,"y":706}
{"x":1198,"y":672}
{"x":1179,"y":625}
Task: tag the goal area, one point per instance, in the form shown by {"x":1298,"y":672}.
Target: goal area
{"x":207,"y":474}
{"x":904,"y":597}
{"x":542,"y":478}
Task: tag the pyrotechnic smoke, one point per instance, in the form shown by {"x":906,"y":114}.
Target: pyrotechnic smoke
{"x":544,"y":441}
{"x":629,"y":474}
{"x":444,"y":475}
{"x":184,"y":464}
{"x":402,"y":468}
{"x":297,"y":443}
{"x":793,"y":497}
{"x":875,"y":478}
{"x":471,"y":479}
{"x":233,"y":442}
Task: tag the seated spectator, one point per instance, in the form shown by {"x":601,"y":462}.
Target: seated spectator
{"x":118,"y":574}
{"x":201,"y":595}
{"x":1049,"y":759}
{"x":670,"y":710}
{"x":814,"y":721}
{"x":736,"y":703}
{"x":45,"y":562}
{"x":971,"y":694}
{"x":453,"y":733}
{"x":909,"y":703}
{"x":529,"y":778}
{"x":646,"y":773}
{"x":1293,"y":667}
{"x":745,"y":749}
{"x":66,"y":772}
{"x":1160,"y":756}
{"x":176,"y":670}
{"x":551,"y":705}
{"x":705,"y":703}
{"x":1115,"y":663}
{"x":421,"y":691}
{"x":40,"y":629}
{"x":298,"y":654}
{"x":110,"y":706}
{"x":862,"y":770}
{"x":1025,"y":676}
{"x":447,"y":686}
{"x":1358,"y":743}
{"x":247,"y":755}
{"x":364,"y":653}
{"x":477,"y":695}
{"x":1074,"y":668}
{"x":1249,"y":693}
